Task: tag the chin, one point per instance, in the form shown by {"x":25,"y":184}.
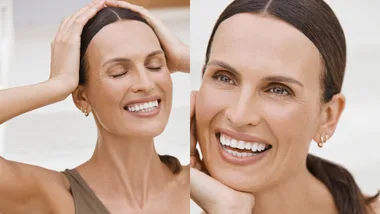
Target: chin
{"x":147,"y":130}
{"x":238,"y":180}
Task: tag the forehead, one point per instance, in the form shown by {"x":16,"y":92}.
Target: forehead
{"x":249,"y":41}
{"x":123,"y":38}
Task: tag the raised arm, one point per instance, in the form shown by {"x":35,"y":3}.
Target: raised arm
{"x":30,"y":189}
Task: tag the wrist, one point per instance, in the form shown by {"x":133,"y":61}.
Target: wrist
{"x":61,"y":88}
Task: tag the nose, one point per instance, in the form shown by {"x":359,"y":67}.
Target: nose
{"x":243,"y":112}
{"x":144,"y":82}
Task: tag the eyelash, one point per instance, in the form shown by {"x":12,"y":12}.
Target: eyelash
{"x":125,"y":72}
{"x":119,"y":75}
{"x":283,"y":89}
{"x":155,"y":69}
{"x":218,"y":77}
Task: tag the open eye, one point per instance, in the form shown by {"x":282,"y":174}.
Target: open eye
{"x":223,"y":78}
{"x":280,"y":91}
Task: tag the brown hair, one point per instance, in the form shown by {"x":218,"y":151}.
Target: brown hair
{"x":104,"y":17}
{"x":316,"y":20}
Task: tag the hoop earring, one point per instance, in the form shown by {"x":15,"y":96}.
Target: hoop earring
{"x":323,"y":140}
{"x":85,"y":112}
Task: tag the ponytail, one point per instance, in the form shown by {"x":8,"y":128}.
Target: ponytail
{"x":347,"y":195}
{"x":171,"y":162}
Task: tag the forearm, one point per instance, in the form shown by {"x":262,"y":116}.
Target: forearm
{"x":184,"y":65}
{"x":19,"y":100}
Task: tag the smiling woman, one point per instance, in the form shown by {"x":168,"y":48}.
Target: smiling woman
{"x":271,"y":85}
{"x":116,"y":60}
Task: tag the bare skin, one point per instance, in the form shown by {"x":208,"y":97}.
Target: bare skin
{"x":239,"y":93}
{"x":125,"y":171}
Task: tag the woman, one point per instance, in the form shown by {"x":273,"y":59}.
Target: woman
{"x":271,"y":84}
{"x":123,"y":55}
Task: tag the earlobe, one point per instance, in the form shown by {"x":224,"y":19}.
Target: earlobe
{"x":330,"y":118}
{"x":80,"y":100}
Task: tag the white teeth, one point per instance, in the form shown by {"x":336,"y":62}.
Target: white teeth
{"x":248,"y":146}
{"x":238,"y":154}
{"x":233,"y":143}
{"x":240,"y":144}
{"x":254,"y":147}
{"x":143,"y":107}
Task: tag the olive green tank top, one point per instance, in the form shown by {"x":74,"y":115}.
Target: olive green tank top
{"x":85,"y":200}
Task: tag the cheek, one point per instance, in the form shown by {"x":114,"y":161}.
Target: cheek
{"x":293,"y":127}
{"x":107,"y":93}
{"x":163,"y":80}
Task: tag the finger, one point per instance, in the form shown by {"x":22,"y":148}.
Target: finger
{"x":192,"y":103}
{"x":112,"y":3}
{"x":135,"y":8}
{"x":193,"y":140}
{"x":60,"y":31}
{"x":205,"y":190}
{"x":79,"y":12}
{"x":81,"y":20}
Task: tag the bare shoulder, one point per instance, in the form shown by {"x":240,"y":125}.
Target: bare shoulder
{"x":25,"y":186}
{"x":376,"y":206}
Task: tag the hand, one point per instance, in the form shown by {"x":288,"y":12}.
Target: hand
{"x":216,"y":198}
{"x":195,"y":161}
{"x":65,"y":49}
{"x":177,"y":53}
{"x":211,"y":195}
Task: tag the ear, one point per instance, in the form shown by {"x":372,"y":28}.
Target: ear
{"x":329,"y":117}
{"x":81,"y":100}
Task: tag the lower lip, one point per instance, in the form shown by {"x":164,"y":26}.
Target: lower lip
{"x":239,"y":161}
{"x":153,"y":113}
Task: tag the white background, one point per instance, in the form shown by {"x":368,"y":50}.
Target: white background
{"x":356,"y":142}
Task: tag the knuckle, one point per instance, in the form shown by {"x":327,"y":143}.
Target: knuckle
{"x":57,"y":41}
{"x":79,"y":20}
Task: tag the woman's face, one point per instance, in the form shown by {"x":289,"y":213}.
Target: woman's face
{"x":260,"y":93}
{"x":129,"y":87}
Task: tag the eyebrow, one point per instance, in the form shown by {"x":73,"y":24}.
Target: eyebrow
{"x":122,"y":59}
{"x":276,"y":78}
{"x":223,"y":65}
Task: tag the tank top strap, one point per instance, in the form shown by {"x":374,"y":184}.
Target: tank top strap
{"x":85,"y":200}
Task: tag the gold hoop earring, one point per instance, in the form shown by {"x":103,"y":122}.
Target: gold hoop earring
{"x":85,"y":112}
{"x":323,"y":140}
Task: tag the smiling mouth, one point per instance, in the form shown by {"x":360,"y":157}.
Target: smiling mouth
{"x":240,"y":148}
{"x":144,"y":107}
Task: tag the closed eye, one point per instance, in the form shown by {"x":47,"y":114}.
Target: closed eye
{"x":119,"y":75}
{"x":155,"y":68}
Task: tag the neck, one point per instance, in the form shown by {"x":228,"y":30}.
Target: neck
{"x":129,"y":166}
{"x":302,"y":193}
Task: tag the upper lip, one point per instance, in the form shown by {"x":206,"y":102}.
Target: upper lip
{"x":143,"y":100}
{"x":241,"y":136}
